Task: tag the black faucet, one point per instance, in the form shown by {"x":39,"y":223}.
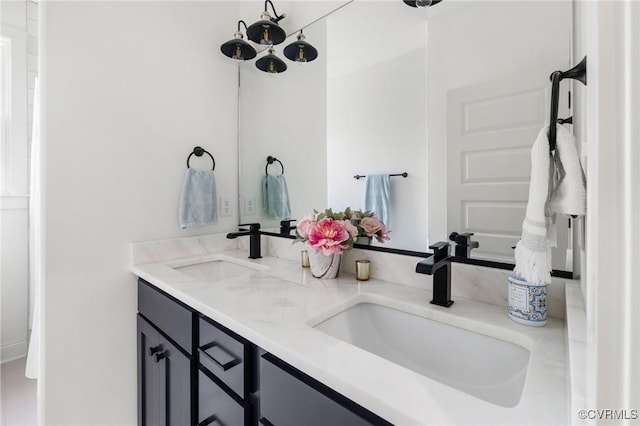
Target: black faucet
{"x":254,"y":238}
{"x":285,"y":226}
{"x":464,"y":245}
{"x":438,"y":265}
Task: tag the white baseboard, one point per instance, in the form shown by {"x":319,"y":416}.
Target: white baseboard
{"x":13,"y":351}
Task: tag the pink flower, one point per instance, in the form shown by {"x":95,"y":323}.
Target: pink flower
{"x":329,"y":235}
{"x":304,"y":226}
{"x":383,"y":235}
{"x":371,"y":226}
{"x":351,"y":229}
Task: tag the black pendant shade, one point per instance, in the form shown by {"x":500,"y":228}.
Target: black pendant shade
{"x":238,"y":49}
{"x":421,"y":3}
{"x":266,"y":31}
{"x":300,"y":50}
{"x":271,"y":63}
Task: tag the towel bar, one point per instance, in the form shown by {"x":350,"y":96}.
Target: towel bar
{"x":404,"y":175}
{"x":198,"y":151}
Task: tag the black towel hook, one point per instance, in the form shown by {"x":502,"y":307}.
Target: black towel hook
{"x":198,"y":151}
{"x":271,"y":160}
{"x":579,"y":72}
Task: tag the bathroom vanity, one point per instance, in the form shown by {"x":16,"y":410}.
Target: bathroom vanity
{"x":237,"y":341}
{"x":215,"y":375}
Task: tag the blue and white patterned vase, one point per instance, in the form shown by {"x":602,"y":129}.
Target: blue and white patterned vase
{"x":527,"y":302}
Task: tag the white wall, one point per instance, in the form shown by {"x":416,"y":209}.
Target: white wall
{"x":467,"y":45}
{"x":375,"y":128}
{"x":129,"y":89}
{"x":284,"y":115}
{"x":14,"y":201}
{"x":376,"y":120}
{"x":612,"y":99}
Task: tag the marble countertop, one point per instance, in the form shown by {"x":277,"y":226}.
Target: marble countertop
{"x":276,"y":305}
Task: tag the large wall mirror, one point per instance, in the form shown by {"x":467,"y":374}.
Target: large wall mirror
{"x":453,"y":95}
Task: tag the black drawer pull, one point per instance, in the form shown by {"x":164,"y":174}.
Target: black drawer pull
{"x":211,"y":349}
{"x":154,"y":349}
{"x":265,"y":422}
{"x":210,"y":420}
{"x":160,"y":355}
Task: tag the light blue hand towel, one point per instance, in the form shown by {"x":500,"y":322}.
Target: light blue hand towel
{"x":377,"y":196}
{"x":275,"y":197}
{"x":198,"y":203}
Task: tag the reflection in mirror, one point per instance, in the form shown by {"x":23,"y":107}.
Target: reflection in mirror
{"x":454,"y":95}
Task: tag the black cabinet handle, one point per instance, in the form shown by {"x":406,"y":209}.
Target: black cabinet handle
{"x":221,"y":351}
{"x":265,"y":422}
{"x":153,"y":350}
{"x":160,"y":355}
{"x":210,"y":420}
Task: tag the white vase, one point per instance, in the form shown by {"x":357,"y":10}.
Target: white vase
{"x":324,"y":266}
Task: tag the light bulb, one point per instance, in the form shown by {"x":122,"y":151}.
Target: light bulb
{"x":300,"y":57}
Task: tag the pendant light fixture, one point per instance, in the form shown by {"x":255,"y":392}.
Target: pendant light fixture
{"x":300,"y":51}
{"x":421,"y":3}
{"x":237,"y":48}
{"x":271,"y":63}
{"x":267,"y":31}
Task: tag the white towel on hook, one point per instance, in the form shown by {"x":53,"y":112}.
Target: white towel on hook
{"x":569,"y":190}
{"x":557,"y":185}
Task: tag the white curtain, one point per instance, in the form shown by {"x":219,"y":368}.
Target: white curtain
{"x":35,"y":243}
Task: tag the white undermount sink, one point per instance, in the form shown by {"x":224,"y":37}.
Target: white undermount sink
{"x":483,"y":366}
{"x":219,"y":268}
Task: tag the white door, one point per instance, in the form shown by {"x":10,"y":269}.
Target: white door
{"x":491,"y":129}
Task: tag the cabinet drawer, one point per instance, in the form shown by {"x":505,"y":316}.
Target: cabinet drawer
{"x":217,"y":407}
{"x":226,"y":355}
{"x":289,"y":397}
{"x":167,"y":314}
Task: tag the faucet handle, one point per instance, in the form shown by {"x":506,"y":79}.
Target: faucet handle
{"x":252,"y":226}
{"x":440,"y":250}
{"x":464,"y":245}
{"x":463,"y":239}
{"x":285,"y":226}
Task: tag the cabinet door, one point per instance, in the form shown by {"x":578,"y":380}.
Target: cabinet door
{"x":164,"y":380}
{"x":150,"y":391}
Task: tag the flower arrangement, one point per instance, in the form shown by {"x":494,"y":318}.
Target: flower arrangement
{"x":368,"y":224}
{"x":334,"y":232}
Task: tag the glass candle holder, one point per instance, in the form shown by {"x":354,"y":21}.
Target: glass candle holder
{"x":304,"y":259}
{"x":363,"y":270}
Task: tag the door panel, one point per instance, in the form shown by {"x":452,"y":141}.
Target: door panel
{"x":491,"y":129}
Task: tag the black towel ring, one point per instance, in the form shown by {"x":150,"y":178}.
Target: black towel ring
{"x":271,"y":160}
{"x":198,"y":151}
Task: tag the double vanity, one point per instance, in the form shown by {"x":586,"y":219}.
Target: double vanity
{"x":224,"y":339}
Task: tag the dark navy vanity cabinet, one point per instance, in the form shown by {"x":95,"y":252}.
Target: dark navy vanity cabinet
{"x":194,"y":371}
